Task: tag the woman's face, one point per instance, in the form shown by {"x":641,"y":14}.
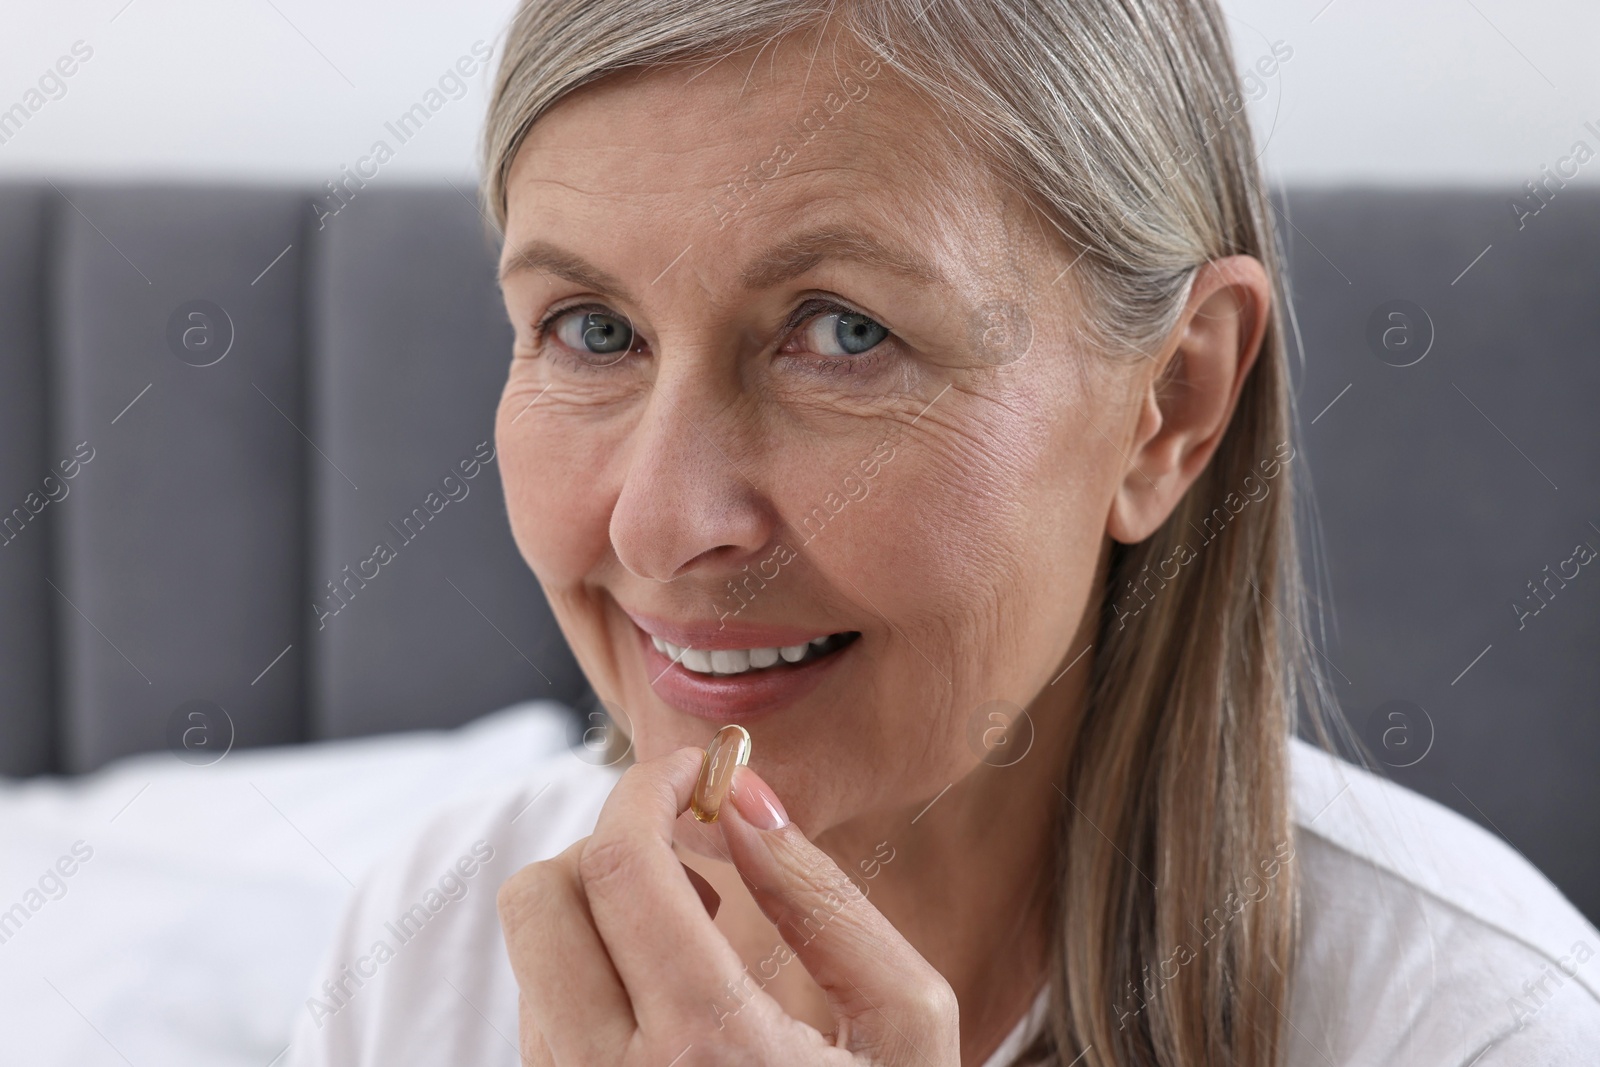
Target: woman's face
{"x":790,"y":367}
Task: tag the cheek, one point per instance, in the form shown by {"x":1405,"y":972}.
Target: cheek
{"x":980,"y":539}
{"x":978,"y":542}
{"x":556,"y":480}
{"x":989,"y":510}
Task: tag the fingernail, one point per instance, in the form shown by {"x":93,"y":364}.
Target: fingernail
{"x":757,"y":802}
{"x":729,"y":749}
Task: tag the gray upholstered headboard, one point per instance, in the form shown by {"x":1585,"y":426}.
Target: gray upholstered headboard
{"x":189,"y":556}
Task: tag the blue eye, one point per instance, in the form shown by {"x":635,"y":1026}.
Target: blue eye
{"x":844,"y":333}
{"x":594,"y":333}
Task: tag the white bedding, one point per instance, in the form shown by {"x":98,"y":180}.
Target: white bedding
{"x":189,"y":934}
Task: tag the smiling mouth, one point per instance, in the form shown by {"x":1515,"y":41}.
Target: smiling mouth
{"x":723,"y":662}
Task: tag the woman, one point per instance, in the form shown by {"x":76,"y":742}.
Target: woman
{"x":905,"y":382}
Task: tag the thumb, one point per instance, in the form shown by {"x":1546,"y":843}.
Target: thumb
{"x":889,"y":1002}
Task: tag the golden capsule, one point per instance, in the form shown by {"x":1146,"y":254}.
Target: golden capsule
{"x":729,"y":748}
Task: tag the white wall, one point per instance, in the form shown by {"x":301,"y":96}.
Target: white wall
{"x":1463,"y":91}
{"x":263,"y":89}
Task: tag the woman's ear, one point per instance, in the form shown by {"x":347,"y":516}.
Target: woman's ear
{"x":1187,"y":396}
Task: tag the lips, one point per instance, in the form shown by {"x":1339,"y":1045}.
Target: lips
{"x":722,"y":673}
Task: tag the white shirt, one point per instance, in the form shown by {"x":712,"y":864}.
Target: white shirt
{"x":1424,"y":940}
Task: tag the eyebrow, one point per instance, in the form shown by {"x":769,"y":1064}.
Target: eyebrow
{"x":544,"y":256}
{"x":791,"y":258}
{"x":804,"y":251}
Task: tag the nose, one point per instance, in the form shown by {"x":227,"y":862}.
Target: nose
{"x":686,"y":502}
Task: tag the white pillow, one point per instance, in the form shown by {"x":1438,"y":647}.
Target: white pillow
{"x":156,"y":912}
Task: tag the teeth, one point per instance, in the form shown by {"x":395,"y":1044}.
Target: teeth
{"x":730,"y":660}
{"x":724,"y":661}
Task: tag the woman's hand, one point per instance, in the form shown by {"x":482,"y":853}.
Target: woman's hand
{"x":618,"y":960}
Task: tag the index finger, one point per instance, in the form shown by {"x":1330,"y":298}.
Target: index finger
{"x":671,"y":958}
